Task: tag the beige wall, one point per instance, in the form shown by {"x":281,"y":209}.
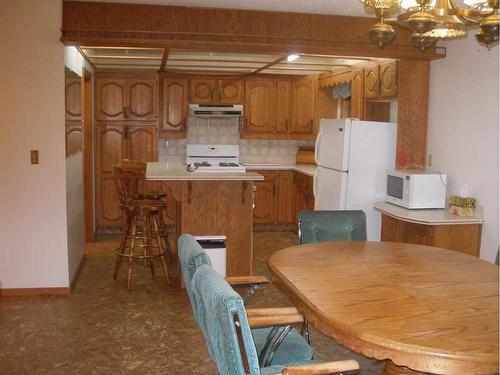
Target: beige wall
{"x":33,"y":243}
{"x":463,"y":135}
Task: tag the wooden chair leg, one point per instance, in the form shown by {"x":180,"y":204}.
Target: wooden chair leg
{"x":131,"y":253}
{"x":121,"y":248}
{"x":149,"y":246}
{"x":164,"y":231}
{"x":162,"y":257}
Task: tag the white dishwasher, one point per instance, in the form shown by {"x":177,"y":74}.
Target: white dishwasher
{"x":215,"y":247}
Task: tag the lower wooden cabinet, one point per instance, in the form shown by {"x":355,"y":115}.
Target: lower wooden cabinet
{"x":281,"y":196}
{"x":465,"y":238}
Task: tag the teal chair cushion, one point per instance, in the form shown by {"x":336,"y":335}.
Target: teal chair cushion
{"x":340,"y":225}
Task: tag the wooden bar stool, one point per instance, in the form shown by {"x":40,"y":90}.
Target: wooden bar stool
{"x":144,"y":236}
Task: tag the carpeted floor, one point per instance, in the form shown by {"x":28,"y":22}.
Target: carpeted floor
{"x":104,"y":329}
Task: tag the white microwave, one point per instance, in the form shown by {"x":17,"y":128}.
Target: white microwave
{"x":416,"y":189}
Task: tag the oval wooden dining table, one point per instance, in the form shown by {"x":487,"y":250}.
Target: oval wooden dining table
{"x":419,"y":308}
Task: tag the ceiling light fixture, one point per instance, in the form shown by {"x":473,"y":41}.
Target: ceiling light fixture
{"x":433,"y":20}
{"x":292,"y":57}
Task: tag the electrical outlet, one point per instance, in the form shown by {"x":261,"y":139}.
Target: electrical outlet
{"x":34,"y":157}
{"x":429,"y":160}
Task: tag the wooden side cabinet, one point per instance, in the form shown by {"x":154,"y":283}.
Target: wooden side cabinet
{"x":465,"y":238}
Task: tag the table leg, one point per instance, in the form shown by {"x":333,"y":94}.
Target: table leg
{"x":393,"y":369}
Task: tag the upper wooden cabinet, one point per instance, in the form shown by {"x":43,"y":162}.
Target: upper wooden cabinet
{"x":223,"y":91}
{"x":371,"y":82}
{"x":357,"y":99}
{"x":381,"y":81}
{"x":303,"y":105}
{"x":283,"y":99}
{"x":175,"y":106}
{"x":119,"y":99}
{"x":259,"y":110}
{"x":389,"y":79}
{"x":73,"y":105}
{"x":142,"y":99}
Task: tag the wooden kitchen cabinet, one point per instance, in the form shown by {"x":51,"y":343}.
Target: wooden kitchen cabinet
{"x":388,"y":79}
{"x":74,"y":138}
{"x":283,"y":104}
{"x":371,"y":82}
{"x":357,"y":98}
{"x":114,"y":143}
{"x":465,"y":238}
{"x":259,"y":107}
{"x":220,"y":91}
{"x":304,"y":195}
{"x":175,"y":108}
{"x":303,"y":105}
{"x":73,"y":99}
{"x":285,"y":198}
{"x":264,"y":211}
{"x":119,"y":99}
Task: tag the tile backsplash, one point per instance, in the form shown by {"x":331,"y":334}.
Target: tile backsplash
{"x":226,"y":131}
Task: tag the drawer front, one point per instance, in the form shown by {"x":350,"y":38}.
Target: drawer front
{"x":268,"y":175}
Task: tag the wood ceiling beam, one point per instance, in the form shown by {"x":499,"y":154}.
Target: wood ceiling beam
{"x":164,"y":59}
{"x":119,"y":57}
{"x":85,"y":57}
{"x":269,"y":65}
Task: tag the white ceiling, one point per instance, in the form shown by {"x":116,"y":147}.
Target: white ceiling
{"x":340,"y":7}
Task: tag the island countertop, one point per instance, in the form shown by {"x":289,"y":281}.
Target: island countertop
{"x":166,"y":171}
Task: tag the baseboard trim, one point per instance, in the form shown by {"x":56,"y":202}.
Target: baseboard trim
{"x":29,"y":292}
{"x":76,"y":276}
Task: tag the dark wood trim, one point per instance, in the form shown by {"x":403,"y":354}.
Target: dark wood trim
{"x":30,"y":292}
{"x":76,"y":276}
{"x":85,"y":57}
{"x":267,"y":66}
{"x":164,"y":59}
{"x":142,"y":25}
{"x":88,"y":155}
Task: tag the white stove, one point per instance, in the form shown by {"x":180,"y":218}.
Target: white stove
{"x":214,"y":158}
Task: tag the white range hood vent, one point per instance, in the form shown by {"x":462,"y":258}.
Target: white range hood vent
{"x":216,"y":110}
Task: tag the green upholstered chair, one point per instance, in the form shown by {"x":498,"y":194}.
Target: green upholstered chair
{"x":192,"y":256}
{"x":339,"y":225}
{"x":229,"y":336}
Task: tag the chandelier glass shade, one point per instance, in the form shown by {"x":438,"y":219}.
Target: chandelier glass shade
{"x":433,"y":20}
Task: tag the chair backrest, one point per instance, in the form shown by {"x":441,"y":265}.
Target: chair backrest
{"x":227,"y":332}
{"x":191,"y":256}
{"x":339,"y":225}
{"x":126,"y":182}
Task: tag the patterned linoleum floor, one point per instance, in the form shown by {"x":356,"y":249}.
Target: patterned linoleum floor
{"x":101,"y":328}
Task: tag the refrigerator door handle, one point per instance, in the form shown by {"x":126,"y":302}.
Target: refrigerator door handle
{"x":316,"y":148}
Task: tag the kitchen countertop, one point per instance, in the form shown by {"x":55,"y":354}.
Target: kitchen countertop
{"x":308,"y":169}
{"x":428,"y":217}
{"x":177,"y":172}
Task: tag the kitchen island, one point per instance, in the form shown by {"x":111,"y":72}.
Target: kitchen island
{"x":212,"y":204}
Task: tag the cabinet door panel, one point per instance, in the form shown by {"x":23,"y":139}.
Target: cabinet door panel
{"x":141,"y":143}
{"x":259,"y":105}
{"x":175,"y":102}
{"x":371,"y":82}
{"x":203,"y":91}
{"x":73,"y":105}
{"x":389,"y":229}
{"x":74,"y":139}
{"x":142,"y":99}
{"x":110,"y":99}
{"x":230,"y":91}
{"x":417,"y":234}
{"x":283,"y":92}
{"x":108,"y":212}
{"x":286,"y":198}
{"x":303,"y":105}
{"x":357,"y":98}
{"x":264,"y":211}
{"x":389,"y":79}
{"x":110,"y":147}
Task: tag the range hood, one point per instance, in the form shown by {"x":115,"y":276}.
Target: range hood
{"x":216,"y":110}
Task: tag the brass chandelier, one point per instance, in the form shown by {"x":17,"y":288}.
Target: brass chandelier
{"x":433,"y":20}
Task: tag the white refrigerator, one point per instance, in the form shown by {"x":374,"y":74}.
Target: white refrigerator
{"x":353,"y":158}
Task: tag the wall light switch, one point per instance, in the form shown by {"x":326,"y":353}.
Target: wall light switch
{"x":34,"y":157}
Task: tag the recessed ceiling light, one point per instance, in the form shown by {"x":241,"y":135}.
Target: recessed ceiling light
{"x":292,"y":57}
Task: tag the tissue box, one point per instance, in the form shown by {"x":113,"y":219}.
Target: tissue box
{"x":462,"y":206}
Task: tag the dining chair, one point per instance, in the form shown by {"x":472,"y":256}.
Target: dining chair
{"x":230,"y":338}
{"x":337,"y":225}
{"x":272,"y":326}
